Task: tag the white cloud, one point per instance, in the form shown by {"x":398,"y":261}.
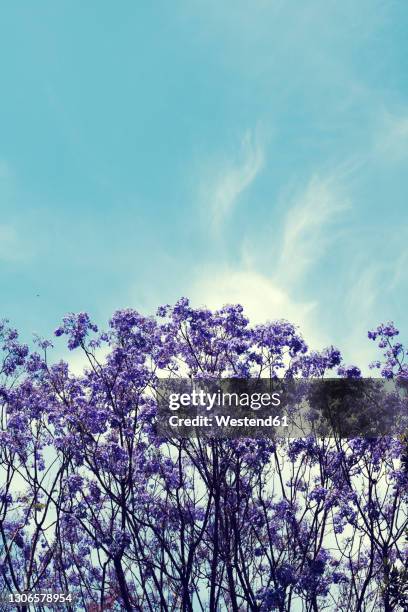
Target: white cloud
{"x":262,"y":298}
{"x":220,"y":196}
{"x":365,"y":283}
{"x":306,"y":234}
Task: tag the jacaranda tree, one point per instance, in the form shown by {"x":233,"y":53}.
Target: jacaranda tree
{"x":95,"y":502}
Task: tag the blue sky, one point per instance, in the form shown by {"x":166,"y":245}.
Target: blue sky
{"x":227,"y":151}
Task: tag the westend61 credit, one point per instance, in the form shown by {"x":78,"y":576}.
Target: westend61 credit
{"x":230,"y":407}
{"x":209,"y":401}
{"x":228,"y":421}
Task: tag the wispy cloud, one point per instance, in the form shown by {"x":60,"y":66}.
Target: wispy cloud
{"x":365,"y":282}
{"x":236,"y":175}
{"x":307,"y":233}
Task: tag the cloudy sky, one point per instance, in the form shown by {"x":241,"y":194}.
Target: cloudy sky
{"x":227,"y":151}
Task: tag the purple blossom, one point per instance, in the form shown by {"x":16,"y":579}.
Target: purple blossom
{"x":130,"y":510}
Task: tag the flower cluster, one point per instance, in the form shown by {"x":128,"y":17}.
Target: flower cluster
{"x":93,"y":500}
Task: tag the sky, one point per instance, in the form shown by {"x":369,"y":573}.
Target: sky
{"x":225,"y":151}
